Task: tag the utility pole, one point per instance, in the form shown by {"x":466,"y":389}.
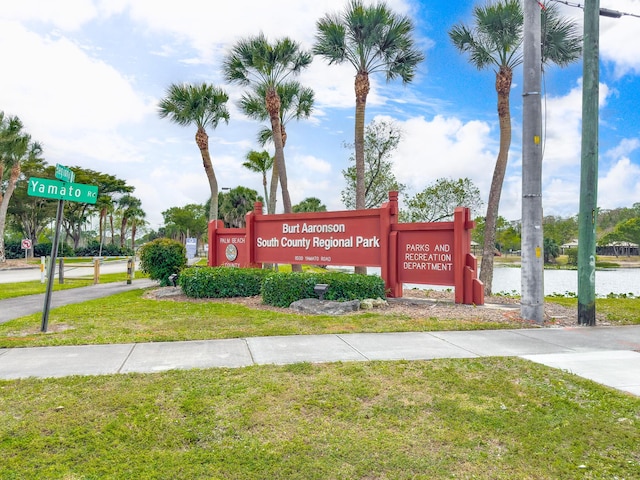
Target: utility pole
{"x":589,"y":167}
{"x":532,"y":279}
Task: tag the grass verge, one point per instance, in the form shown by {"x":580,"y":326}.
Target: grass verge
{"x":489,"y":418}
{"x":20,"y":289}
{"x":616,"y":310}
{"x":128,"y":317}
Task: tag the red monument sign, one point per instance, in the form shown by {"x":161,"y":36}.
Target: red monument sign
{"x":423,"y":253}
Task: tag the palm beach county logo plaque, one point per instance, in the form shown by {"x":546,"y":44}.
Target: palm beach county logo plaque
{"x":231,"y":252}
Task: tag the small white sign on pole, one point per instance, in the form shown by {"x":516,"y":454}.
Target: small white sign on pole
{"x":191,"y":245}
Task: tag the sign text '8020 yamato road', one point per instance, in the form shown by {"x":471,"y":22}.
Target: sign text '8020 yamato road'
{"x":73,"y":192}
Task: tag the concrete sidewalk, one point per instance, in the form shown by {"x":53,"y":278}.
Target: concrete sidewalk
{"x":607,"y":355}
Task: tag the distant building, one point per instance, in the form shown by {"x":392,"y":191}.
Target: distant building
{"x":616,"y":249}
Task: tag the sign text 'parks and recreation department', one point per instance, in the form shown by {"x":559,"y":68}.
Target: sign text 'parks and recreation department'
{"x":74,"y":192}
{"x":435,"y":253}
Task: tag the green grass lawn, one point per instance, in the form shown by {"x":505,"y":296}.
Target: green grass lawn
{"x":20,"y":289}
{"x":129,"y":317}
{"x":618,"y":311}
{"x":489,"y":418}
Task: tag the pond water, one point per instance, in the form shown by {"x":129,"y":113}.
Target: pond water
{"x":507,"y":280}
{"x":619,"y":281}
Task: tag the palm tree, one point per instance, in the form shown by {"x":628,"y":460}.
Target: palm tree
{"x":296,"y":103}
{"x":128,"y":206}
{"x":136,"y":218}
{"x":260,"y":162}
{"x":16,"y":147}
{"x":495,"y":42}
{"x":372,"y":39}
{"x":256,"y":62}
{"x":204,"y":106}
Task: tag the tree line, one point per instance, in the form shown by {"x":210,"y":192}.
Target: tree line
{"x":30,"y":217}
{"x":618,"y":230}
{"x":117,"y":210}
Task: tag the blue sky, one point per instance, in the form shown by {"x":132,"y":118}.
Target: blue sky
{"x":85,"y":76}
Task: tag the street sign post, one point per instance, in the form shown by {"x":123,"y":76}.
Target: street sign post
{"x":26,"y":246}
{"x":61,"y":191}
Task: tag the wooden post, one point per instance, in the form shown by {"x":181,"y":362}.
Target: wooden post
{"x":96,"y":271}
{"x":61,"y":271}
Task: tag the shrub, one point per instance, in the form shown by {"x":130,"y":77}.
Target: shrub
{"x":43,"y":249}
{"x":282,"y":289}
{"x":13,"y":249}
{"x":572,"y":256}
{"x":221,"y":282}
{"x":108,"y":250}
{"x":162,"y":257}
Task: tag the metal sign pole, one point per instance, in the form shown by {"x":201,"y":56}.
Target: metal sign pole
{"x":54,"y":254}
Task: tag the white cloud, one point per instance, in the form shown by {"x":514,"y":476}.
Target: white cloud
{"x":311,"y":164}
{"x":221,"y":23}
{"x":624,"y":148}
{"x":68,"y":93}
{"x":620,"y":185}
{"x":63,"y":14}
{"x":619,"y":38}
{"x":562,"y":124}
{"x":444,"y":147}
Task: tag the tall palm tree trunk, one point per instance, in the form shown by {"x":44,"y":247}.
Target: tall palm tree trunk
{"x":273,"y":107}
{"x":272,"y":101}
{"x":273,"y":190}
{"x":123,"y":230}
{"x":133,"y":236}
{"x":503,"y":88}
{"x":362,"y":90}
{"x":264,"y":186}
{"x":202,"y":139}
{"x":4,"y":206}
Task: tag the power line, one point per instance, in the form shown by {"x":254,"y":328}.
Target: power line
{"x":605,"y":12}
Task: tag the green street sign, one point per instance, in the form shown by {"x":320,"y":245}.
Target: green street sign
{"x":74,"y":192}
{"x":64,"y":173}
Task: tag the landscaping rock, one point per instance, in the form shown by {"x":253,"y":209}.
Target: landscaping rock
{"x":164,"y":292}
{"x":369,"y":303}
{"x":324,"y":307}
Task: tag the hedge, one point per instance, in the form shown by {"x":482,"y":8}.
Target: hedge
{"x":277,"y":289}
{"x":221,"y":282}
{"x":282,"y":289}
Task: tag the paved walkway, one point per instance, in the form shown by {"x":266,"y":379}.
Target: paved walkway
{"x":20,"y":306}
{"x":607,"y":355}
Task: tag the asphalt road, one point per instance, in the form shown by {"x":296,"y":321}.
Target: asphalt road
{"x":71,"y":270}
